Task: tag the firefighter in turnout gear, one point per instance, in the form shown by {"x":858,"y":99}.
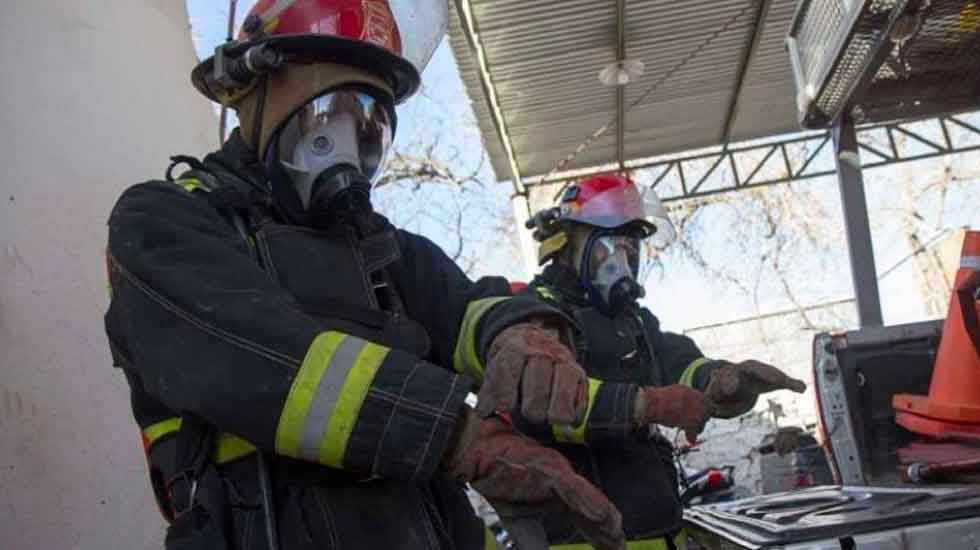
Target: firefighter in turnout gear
{"x":639,"y":375}
{"x":298,"y":366}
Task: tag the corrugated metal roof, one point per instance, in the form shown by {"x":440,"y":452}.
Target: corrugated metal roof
{"x":543,"y":58}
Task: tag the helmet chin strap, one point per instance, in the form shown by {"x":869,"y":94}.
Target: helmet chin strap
{"x":263,"y":87}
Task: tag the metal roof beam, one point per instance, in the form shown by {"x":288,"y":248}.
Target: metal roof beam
{"x":797,"y":167}
{"x":472,"y":31}
{"x":760,"y":25}
{"x":620,"y":91}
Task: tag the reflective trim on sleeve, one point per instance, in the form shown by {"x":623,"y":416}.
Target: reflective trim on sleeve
{"x":326,"y":397}
{"x":301,"y":393}
{"x":465,"y":357}
{"x":349,"y":404}
{"x":576,"y":434}
{"x":687,"y":377}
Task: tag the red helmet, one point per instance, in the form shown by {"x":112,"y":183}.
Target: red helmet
{"x":393,"y":39}
{"x":606,"y":201}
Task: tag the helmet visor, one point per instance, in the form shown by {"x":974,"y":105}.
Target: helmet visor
{"x":345,"y":127}
{"x":422,"y":25}
{"x":412,"y":29}
{"x":624,"y":205}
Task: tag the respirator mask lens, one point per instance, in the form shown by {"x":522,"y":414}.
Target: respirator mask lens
{"x":333,"y":141}
{"x":612,"y":265}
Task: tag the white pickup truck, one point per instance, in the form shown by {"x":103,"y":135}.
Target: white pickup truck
{"x":855,"y":374}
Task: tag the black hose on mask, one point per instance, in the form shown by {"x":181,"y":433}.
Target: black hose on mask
{"x":341,"y":193}
{"x":623,"y":296}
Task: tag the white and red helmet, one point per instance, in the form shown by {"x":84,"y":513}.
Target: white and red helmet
{"x":606,"y":201}
{"x":392,"y":38}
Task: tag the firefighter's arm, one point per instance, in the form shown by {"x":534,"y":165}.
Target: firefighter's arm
{"x":209,"y":332}
{"x":730,"y":388}
{"x":617,"y":412}
{"x":683,"y":362}
{"x":510,"y":344}
{"x":620,"y":413}
{"x":608,"y":417}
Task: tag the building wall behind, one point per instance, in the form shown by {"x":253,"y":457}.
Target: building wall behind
{"x":95,"y":96}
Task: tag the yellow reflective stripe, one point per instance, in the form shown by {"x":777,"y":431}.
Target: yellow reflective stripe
{"x":304,"y":387}
{"x":465,"y":358}
{"x":349,"y":404}
{"x":231,"y":447}
{"x":326,"y":397}
{"x":165,"y":427}
{"x":576,"y":434}
{"x":967,"y":24}
{"x":546,"y":293}
{"x":190,"y":184}
{"x":551,"y":245}
{"x":687,"y":377}
{"x":228,"y":447}
{"x":680,"y":542}
{"x":489,"y":541}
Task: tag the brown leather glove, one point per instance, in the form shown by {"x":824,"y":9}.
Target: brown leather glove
{"x":787,"y":440}
{"x":735,"y":387}
{"x":675,"y":406}
{"x":527,"y":365}
{"x":505,"y":466}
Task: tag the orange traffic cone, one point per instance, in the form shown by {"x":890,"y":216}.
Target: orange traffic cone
{"x":952,"y":408}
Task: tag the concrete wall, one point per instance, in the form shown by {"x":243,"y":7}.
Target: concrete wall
{"x":94,"y":97}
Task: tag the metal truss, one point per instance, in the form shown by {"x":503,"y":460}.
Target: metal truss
{"x":773,"y":162}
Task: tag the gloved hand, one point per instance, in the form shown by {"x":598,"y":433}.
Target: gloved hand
{"x":675,"y":406}
{"x":787,"y":440}
{"x":529,"y":366}
{"x":505,"y":466}
{"x":735,"y":387}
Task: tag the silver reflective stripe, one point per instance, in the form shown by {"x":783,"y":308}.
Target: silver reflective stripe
{"x":970,"y":262}
{"x":325,"y":400}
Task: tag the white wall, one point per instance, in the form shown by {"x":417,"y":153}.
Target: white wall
{"x":94,"y":96}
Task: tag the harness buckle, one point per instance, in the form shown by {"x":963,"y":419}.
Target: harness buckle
{"x":176,"y":490}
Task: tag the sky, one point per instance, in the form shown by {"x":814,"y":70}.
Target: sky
{"x":680,"y":294}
